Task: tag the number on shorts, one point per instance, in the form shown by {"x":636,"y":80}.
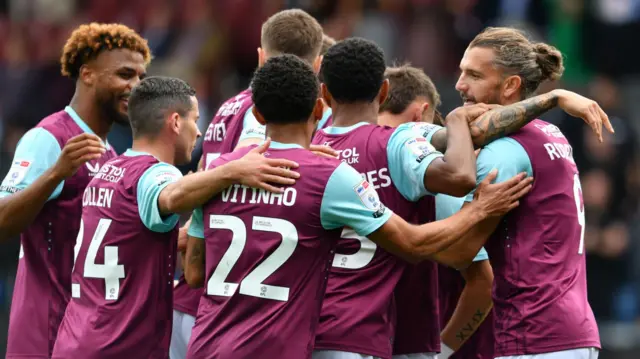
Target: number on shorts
{"x":252,"y":284}
{"x":577,"y":194}
{"x":359,"y":259}
{"x":110,"y":271}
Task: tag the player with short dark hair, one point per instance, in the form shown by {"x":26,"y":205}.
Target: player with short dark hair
{"x":286,"y":32}
{"x":267,"y":255}
{"x":427,"y":294}
{"x":121,"y":304}
{"x":41,"y":197}
{"x":357,"y":322}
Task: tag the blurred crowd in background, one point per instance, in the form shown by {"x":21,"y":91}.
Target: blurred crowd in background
{"x":212,"y":44}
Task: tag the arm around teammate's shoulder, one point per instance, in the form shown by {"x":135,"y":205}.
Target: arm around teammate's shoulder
{"x":251,"y":170}
{"x":37,"y":174}
{"x":417,"y":243}
{"x":510,"y":160}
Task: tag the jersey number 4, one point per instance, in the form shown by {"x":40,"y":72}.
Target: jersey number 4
{"x":110,"y":271}
{"x":252,"y":284}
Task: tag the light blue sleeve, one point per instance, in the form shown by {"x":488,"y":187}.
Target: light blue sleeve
{"x":409,"y":154}
{"x":196,"y":229}
{"x":447,"y":206}
{"x":507,"y":156}
{"x":424,"y":129}
{"x":251,"y":128}
{"x":36,"y":152}
{"x":350,"y":201}
{"x":150,"y":184}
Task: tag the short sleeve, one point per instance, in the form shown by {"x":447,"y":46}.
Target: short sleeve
{"x":196,"y":229}
{"x":409,"y":155}
{"x":481,"y":256}
{"x":350,"y":201}
{"x":150,"y":184}
{"x":37,"y":151}
{"x":424,"y":129}
{"x":507,"y":156}
{"x":251,"y":128}
{"x":447,"y":206}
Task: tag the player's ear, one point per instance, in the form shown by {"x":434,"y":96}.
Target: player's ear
{"x":258,"y":116}
{"x":262,"y":57}
{"x":421,"y":112}
{"x":87,"y":75}
{"x":384,"y":92}
{"x":326,"y":95}
{"x":317,"y":63}
{"x":318,"y":110}
{"x":174,"y":123}
{"x":511,"y":86}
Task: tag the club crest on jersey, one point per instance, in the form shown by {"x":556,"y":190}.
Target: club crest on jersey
{"x":369,"y":198}
{"x":420,"y":147}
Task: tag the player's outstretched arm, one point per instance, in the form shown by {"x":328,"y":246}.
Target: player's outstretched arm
{"x":18,"y":210}
{"x":504,"y":120}
{"x":416,"y":243}
{"x":252,"y":170}
{"x":474,"y":305}
{"x":194,"y":262}
{"x":455,"y":173}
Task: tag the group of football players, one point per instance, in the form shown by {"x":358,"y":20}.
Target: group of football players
{"x":336,"y":214}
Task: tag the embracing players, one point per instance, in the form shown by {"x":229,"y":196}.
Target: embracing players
{"x":41,"y":197}
{"x":121,"y":301}
{"x":267,"y":256}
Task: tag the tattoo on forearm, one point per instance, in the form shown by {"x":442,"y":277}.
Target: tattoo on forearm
{"x":471,"y":326}
{"x":196,"y":257}
{"x":508,"y":119}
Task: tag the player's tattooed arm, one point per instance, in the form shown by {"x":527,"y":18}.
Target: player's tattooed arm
{"x":473,"y":306}
{"x":194,"y":264}
{"x":501,"y":120}
{"x":504,"y":120}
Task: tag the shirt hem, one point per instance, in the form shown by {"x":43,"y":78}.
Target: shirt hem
{"x":351,"y":349}
{"x":184,"y":309}
{"x":548,"y":349}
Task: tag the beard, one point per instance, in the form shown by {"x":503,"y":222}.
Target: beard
{"x":110,"y":106}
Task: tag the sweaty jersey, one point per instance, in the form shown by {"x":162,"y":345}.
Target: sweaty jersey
{"x":358,"y":311}
{"x":451,"y":284}
{"x":268,"y":256}
{"x":43,"y":281}
{"x":122,"y":281}
{"x":537,"y":251}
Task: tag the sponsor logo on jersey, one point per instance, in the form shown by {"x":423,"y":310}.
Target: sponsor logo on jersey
{"x":420,"y":147}
{"x":369,"y":198}
{"x":17,"y":173}
{"x":93,"y":169}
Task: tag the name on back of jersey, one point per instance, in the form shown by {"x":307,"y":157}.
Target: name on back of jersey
{"x":242,"y":194}
{"x":554,"y":149}
{"x":216,"y":132}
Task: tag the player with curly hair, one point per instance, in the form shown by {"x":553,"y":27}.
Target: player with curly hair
{"x":266,"y":264}
{"x":41,"y":197}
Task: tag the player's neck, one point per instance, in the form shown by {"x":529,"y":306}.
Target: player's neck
{"x":90,"y":114}
{"x":345,"y":115}
{"x":155,"y":147}
{"x":290,"y":133}
{"x":389,"y":119}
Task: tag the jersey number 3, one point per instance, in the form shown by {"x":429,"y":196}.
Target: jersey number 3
{"x":110,"y":271}
{"x":577,"y":194}
{"x":252,"y":284}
